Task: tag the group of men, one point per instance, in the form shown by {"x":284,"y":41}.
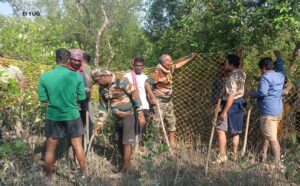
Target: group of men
{"x":269,"y":101}
{"x":131,"y":96}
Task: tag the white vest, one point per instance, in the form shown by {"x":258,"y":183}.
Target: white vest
{"x":140,"y":79}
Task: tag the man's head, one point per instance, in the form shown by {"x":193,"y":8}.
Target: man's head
{"x":222,"y":70}
{"x":265,"y":64}
{"x":138,"y":65}
{"x":62,"y":56}
{"x":166,"y":61}
{"x":102,"y":77}
{"x":86,"y":58}
{"x":232,"y":62}
{"x":76,"y":58}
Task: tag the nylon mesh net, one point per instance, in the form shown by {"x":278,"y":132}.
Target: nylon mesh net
{"x":194,"y":92}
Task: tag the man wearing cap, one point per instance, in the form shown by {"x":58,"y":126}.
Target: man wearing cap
{"x":76,"y":64}
{"x":86,"y":60}
{"x":269,"y":101}
{"x":120,"y":95}
{"x":161,"y":80}
{"x":61,"y":88}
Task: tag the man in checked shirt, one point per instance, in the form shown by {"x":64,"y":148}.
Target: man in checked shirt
{"x":120,"y":95}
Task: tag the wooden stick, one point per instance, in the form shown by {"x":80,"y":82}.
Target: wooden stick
{"x":84,"y":139}
{"x":87,"y":123}
{"x":212,"y":135}
{"x":137,"y":128}
{"x":163,"y":127}
{"x":136,"y":147}
{"x":89,"y":146}
{"x":246,"y":132}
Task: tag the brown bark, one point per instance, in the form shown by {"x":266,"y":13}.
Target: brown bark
{"x":111,"y":53}
{"x":98,"y":37}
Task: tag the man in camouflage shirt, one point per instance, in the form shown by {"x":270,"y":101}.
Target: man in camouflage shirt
{"x":231,"y":115}
{"x":120,"y":95}
{"x":161,"y":80}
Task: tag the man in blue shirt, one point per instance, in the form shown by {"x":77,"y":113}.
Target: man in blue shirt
{"x":269,"y":101}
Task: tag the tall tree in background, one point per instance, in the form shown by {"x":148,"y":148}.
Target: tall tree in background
{"x":162,"y":14}
{"x":78,"y":23}
{"x":214,"y":25}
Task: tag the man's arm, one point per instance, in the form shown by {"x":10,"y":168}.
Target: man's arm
{"x":279,"y":63}
{"x":227,"y":107}
{"x":136,"y":101}
{"x":262,"y":89}
{"x":184,"y":62}
{"x":102,"y":115}
{"x":132,"y":93}
{"x":230,"y":87}
{"x":42,"y":91}
{"x":149,"y":92}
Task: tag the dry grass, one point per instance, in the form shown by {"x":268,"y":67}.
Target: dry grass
{"x":186,"y":167}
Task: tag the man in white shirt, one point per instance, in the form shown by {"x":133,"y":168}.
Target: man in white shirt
{"x":138,"y":79}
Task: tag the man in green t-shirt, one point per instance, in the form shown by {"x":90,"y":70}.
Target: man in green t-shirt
{"x":61,"y":88}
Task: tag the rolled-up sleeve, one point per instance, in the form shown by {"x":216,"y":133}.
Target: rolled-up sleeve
{"x":102,"y":110}
{"x":130,"y":90}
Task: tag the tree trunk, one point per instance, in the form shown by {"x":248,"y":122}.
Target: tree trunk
{"x":98,"y":37}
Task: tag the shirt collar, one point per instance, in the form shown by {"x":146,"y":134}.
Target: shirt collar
{"x":60,"y":66}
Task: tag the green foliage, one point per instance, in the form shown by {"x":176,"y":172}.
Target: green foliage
{"x":32,"y":40}
{"x":221,"y":25}
{"x":292,"y":163}
{"x":150,"y":165}
{"x":22,"y":105}
{"x":12,"y":150}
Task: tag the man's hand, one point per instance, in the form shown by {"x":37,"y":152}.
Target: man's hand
{"x":192,"y":56}
{"x":141,"y":119}
{"x":217,"y":108}
{"x":88,"y":92}
{"x":97,"y":128}
{"x":277,"y":53}
{"x":153,"y":101}
{"x":223,"y":116}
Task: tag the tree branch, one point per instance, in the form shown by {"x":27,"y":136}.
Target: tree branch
{"x":88,"y":17}
{"x":98,"y":37}
{"x":111,"y":52}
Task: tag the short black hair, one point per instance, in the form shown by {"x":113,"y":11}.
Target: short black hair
{"x":266,"y":63}
{"x":87,"y":57}
{"x":62,"y":56}
{"x":233,"y":60}
{"x":138,"y":60}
